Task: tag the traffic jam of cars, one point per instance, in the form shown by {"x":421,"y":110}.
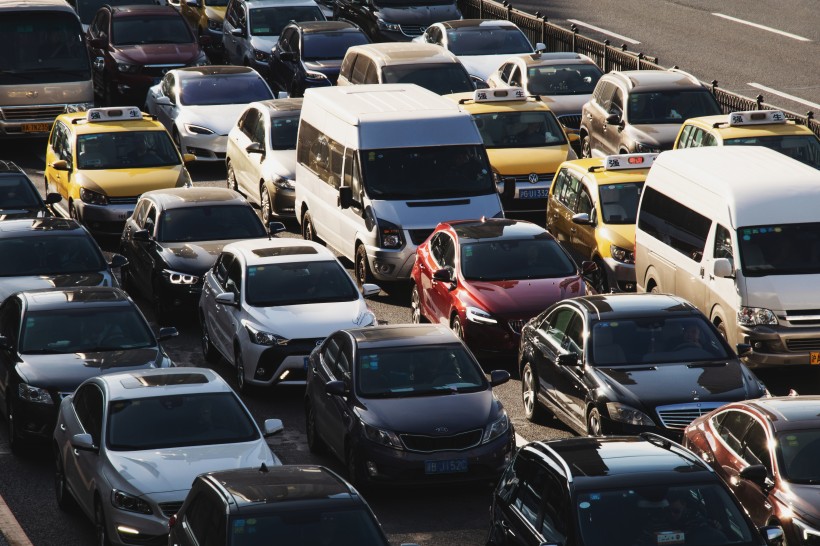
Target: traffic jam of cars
{"x":613,"y":241}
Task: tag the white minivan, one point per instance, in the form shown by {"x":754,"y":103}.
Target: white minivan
{"x":736,"y":231}
{"x":379,"y":166}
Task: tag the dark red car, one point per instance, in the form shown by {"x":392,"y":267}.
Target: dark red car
{"x":768,"y":451}
{"x":486,"y":278}
{"x":132,"y":47}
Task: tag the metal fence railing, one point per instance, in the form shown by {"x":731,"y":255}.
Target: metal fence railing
{"x":609,"y":57}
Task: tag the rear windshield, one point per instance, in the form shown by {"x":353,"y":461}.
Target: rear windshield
{"x":271,"y":21}
{"x":223,"y":90}
{"x":324,"y":46}
{"x":53,"y":254}
{"x":17,"y":192}
{"x":441,"y":78}
{"x":803,"y":148}
{"x":150,"y":29}
{"x":670,"y":106}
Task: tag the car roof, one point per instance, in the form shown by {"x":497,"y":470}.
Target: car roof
{"x":551,"y":58}
{"x":281,"y":484}
{"x":315,"y":27}
{"x":404,"y":53}
{"x":656,"y":80}
{"x":51,"y":299}
{"x":279,"y":107}
{"x":788,"y":412}
{"x":274,"y":251}
{"x":402,"y":335}
{"x":194,"y":72}
{"x":625,"y":305}
{"x":142,"y":9}
{"x":526,"y":104}
{"x":162,"y":381}
{"x":590,"y":169}
{"x":28,"y":5}
{"x":78,"y":123}
{"x":175,"y":198}
{"x":470,"y":231}
{"x":10,"y":167}
{"x":719,"y":124}
{"x":477,"y":24}
{"x":274,"y":3}
{"x":38,"y":227}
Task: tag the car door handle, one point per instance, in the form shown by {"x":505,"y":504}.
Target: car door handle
{"x":572,"y":230}
{"x":62,"y":427}
{"x":76,"y":452}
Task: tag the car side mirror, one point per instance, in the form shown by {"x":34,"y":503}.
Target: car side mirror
{"x":141,"y":235}
{"x":276,"y":227}
{"x":345,"y":197}
{"x":167,"y":333}
{"x":188,"y":158}
{"x":52,"y":198}
{"x":613,"y":119}
{"x":743,"y":349}
{"x":499,"y":377}
{"x":588,"y":267}
{"x":756,"y":473}
{"x":273,"y":426}
{"x":582,"y":219}
{"x":722,"y":267}
{"x":238,"y":32}
{"x":773,"y":535}
{"x":569,"y":359}
{"x":98,"y":43}
{"x":369,"y":289}
{"x":117,"y":260}
{"x":226,"y":298}
{"x":443,"y":275}
{"x":163,"y":100}
{"x":287,"y":56}
{"x":60,"y":165}
{"x":540,"y":47}
{"x":255,"y":148}
{"x":83,"y":442}
{"x":336,"y":388}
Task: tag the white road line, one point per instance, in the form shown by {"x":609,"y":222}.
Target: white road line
{"x":10,"y":528}
{"x":602,"y":31}
{"x":784,"y":95}
{"x":520,"y":440}
{"x":762,"y":27}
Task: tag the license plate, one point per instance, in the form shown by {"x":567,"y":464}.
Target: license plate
{"x":36,"y":127}
{"x":539,"y":193}
{"x":306,"y":362}
{"x":445,"y":467}
{"x":814,"y":358}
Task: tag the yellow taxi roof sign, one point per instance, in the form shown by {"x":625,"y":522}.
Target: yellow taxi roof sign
{"x":756,"y":117}
{"x":628,"y":161}
{"x":113,"y":113}
{"x":499,"y":94}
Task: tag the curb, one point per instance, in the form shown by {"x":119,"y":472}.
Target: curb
{"x":11,"y":534}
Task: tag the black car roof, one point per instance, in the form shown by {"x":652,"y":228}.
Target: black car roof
{"x":175,"y":198}
{"x":37,"y":227}
{"x":611,"y":306}
{"x":48,"y":299}
{"x":9,"y":167}
{"x":497,"y":228}
{"x":401,"y":335}
{"x":193,"y":72}
{"x":312,"y":27}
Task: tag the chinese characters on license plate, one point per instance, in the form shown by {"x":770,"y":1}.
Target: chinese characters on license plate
{"x":814,"y":358}
{"x":445,"y":467}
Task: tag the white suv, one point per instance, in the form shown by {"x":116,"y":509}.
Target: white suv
{"x":266,"y":305}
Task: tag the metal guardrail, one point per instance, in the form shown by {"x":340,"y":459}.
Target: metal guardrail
{"x":538,"y":29}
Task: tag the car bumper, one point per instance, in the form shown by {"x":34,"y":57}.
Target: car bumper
{"x":181,"y":296}
{"x":282,"y":201}
{"x":391,"y":265}
{"x":35,"y":421}
{"x":205,"y":147}
{"x":130,"y":529}
{"x":779,"y":346}
{"x":31,"y":121}
{"x":280,"y":364}
{"x":104,"y":219}
{"x":621,"y":276}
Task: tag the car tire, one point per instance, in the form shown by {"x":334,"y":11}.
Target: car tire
{"x":598,"y":279}
{"x":239,"y":365}
{"x":314,"y":441}
{"x":533,"y":411}
{"x":586,"y":147}
{"x":362,"y":266}
{"x":100,"y":529}
{"x":308,"y":229}
{"x":209,"y":352}
{"x":16,"y":443}
{"x":72,"y":212}
{"x":230,"y":179}
{"x":457,"y":327}
{"x":721,"y":328}
{"x":265,"y":205}
{"x":415,"y":306}
{"x":65,"y":501}
{"x":595,"y":426}
{"x":654,"y":289}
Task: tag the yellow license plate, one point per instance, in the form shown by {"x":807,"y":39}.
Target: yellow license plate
{"x":36,"y":127}
{"x":814,"y":358}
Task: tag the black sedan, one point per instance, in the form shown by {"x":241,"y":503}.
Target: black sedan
{"x":175,"y":236}
{"x":629,"y":363}
{"x":19,"y":197}
{"x":406,"y":404}
{"x":309,"y":54}
{"x":52,"y":340}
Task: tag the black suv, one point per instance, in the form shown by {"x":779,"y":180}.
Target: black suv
{"x":19,"y":197}
{"x":285,"y":505}
{"x":618,"y":491}
{"x":395,"y":20}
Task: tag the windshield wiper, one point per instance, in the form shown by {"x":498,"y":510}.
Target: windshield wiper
{"x":46,"y":352}
{"x":709,"y":364}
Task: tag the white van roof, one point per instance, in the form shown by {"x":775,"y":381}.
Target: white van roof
{"x":759,"y":185}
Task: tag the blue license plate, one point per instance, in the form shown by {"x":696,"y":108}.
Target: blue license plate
{"x":306,"y":362}
{"x":445,"y":467}
{"x":539,"y":193}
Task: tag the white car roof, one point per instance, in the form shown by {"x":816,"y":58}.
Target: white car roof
{"x":164,"y":381}
{"x":274,"y":251}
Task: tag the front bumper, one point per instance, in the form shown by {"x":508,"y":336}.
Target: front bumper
{"x":104,"y":219}
{"x":34,"y":421}
{"x":620,"y":276}
{"x":204,"y":147}
{"x":181,"y":296}
{"x":774,"y":346}
{"x":278,"y":364}
{"x":392,"y":265}
{"x":493,"y":339}
{"x":131,"y":529}
{"x":282,"y":201}
{"x":30,"y":121}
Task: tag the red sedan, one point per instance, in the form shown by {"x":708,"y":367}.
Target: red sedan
{"x":486,"y":278}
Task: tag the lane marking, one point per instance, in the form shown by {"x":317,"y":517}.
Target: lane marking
{"x":520,"y":440}
{"x":762,"y":27}
{"x":784,"y":95}
{"x":602,"y":31}
{"x":10,"y":528}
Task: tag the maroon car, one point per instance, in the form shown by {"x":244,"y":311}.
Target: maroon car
{"x":486,"y":278}
{"x":768,"y":451}
{"x":132,"y":47}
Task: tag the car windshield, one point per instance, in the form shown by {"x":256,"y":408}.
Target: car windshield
{"x":17,"y":192}
{"x":803,"y":148}
{"x":283,"y":132}
{"x":209,"y":223}
{"x":326,"y":46}
{"x":86,"y":9}
{"x":508,"y":259}
{"x":487,"y":41}
{"x":784,"y":249}
{"x":798,"y":452}
{"x":180,"y":420}
{"x":313,"y":525}
{"x":216,"y":3}
{"x":655,"y":340}
{"x":427,"y":370}
{"x":430,"y":172}
{"x":126,"y":150}
{"x":400,"y":3}
{"x":298,"y":283}
{"x":670,"y":106}
{"x":270,"y":21}
{"x":150,"y":29}
{"x":519,"y":129}
{"x":441,"y":78}
{"x":619,"y":202}
{"x":654,"y":515}
{"x":227,"y":89}
{"x":568,"y":79}
{"x":85,"y":330}
{"x":50,"y":254}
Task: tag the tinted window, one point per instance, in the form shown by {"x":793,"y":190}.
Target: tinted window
{"x":88,"y":405}
{"x":270,"y":21}
{"x":443,"y":249}
{"x":54,"y":254}
{"x":571,"y":79}
{"x":536,"y":258}
{"x":619,"y":202}
{"x":299,"y":283}
{"x":674,"y":224}
{"x":205,"y":516}
{"x":731,"y":426}
{"x":798,"y":452}
{"x":441,"y":78}
{"x":785,"y":249}
{"x":519,"y":129}
{"x":17,"y":191}
{"x":150,"y":29}
{"x":756,"y":446}
{"x":283,"y":132}
{"x":124,"y":150}
{"x":487,"y":41}
{"x":209,"y":223}
{"x":670,"y":106}
{"x":316,"y":525}
{"x":723,"y":244}
{"x":804,"y":148}
{"x":330,"y":45}
{"x":223,"y":90}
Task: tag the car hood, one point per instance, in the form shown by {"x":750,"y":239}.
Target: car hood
{"x":622,"y":235}
{"x":484,"y":65}
{"x":662,"y":384}
{"x":174,"y":469}
{"x":65,"y":372}
{"x":660,"y":135}
{"x":219,"y":118}
{"x":804,"y":500}
{"x":418,"y":15}
{"x":159,"y":53}
{"x":425,"y":414}
{"x":132,"y":182}
{"x":264,"y":43}
{"x":329,"y":68}
{"x":282,"y":163}
{"x":781,"y":293}
{"x":523,"y":298}
{"x":310,"y":320}
{"x":17,"y":213}
{"x":522,"y":161}
{"x":195,"y":258}
{"x":10,"y":285}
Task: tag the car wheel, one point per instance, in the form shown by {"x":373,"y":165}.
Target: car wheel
{"x":654,"y":289}
{"x":241,"y":385}
{"x":308,"y":230}
{"x":265,"y":205}
{"x":314,"y":441}
{"x":231,"y":178}
{"x":529,"y":394}
{"x":598,"y":279}
{"x":15,"y":442}
{"x":72,"y":212}
{"x":99,"y":525}
{"x":456,"y":327}
{"x":415,"y":306}
{"x":208,"y":350}
{"x":595,"y":427}
{"x":363,"y":273}
{"x":586,"y":148}
{"x":64,"y":499}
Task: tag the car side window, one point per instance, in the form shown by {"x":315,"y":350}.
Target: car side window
{"x":88,"y":405}
{"x":603,"y":95}
{"x":348,"y":63}
{"x":616,"y":104}
{"x":64,"y":145}
{"x":505,"y":72}
{"x":723,"y":244}
{"x":249,"y":122}
{"x":139,"y":212}
{"x":570,"y":192}
{"x":150,"y":222}
{"x":372,"y":74}
{"x":286,"y":40}
{"x":329,"y":353}
{"x":584,"y":202}
{"x":205,"y":517}
{"x":233,"y":282}
{"x":360,"y":69}
{"x":259,"y":132}
{"x":555,"y":326}
{"x":685,"y":136}
{"x":221,"y":268}
{"x":443,"y":250}
{"x":731,"y":426}
{"x":515,"y":78}
{"x":574,"y":341}
{"x":57,"y":138}
{"x":10,"y":320}
{"x":756,"y":446}
{"x":341,"y":368}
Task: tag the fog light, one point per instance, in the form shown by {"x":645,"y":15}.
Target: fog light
{"x":758,"y":345}
{"x":371,"y":469}
{"x":283,"y":376}
{"x":383,"y":268}
{"x":122,"y":88}
{"x":127,"y":530}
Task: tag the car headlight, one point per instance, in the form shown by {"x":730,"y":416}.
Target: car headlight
{"x":79,"y":107}
{"x":261,"y":56}
{"x":496,"y":428}
{"x":197,"y":129}
{"x":384,"y":25}
{"x":260,"y":337}
{"x":382,"y":437}
{"x":390,"y":235}
{"x":622,"y":255}
{"x":128,"y":68}
{"x":92,"y":197}
{"x":283,"y":183}
{"x":128,"y":502}
{"x":213,"y":24}
{"x":809,"y":536}
{"x":476,"y":314}
{"x":33,"y":394}
{"x":646,"y":148}
{"x":175,"y":277}
{"x":627,"y":414}
{"x":368,"y":318}
{"x":753,"y":316}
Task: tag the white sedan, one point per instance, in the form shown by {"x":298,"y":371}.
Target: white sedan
{"x":199,"y":105}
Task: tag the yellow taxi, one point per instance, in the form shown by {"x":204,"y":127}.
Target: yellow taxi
{"x":102,"y":160}
{"x":525,"y":143}
{"x":768,"y":128}
{"x":592,"y":208}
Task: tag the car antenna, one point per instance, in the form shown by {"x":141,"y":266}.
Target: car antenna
{"x":263,"y":468}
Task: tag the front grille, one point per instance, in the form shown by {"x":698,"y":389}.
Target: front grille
{"x":805,"y":344}
{"x":418,"y":236}
{"x":803,"y":317}
{"x":123,"y":200}
{"x":159,"y":70}
{"x":430,"y":444}
{"x":143,"y":540}
{"x":170,"y":508}
{"x":516,"y":325}
{"x":678,"y":416}
{"x":32,"y":113}
{"x":570,"y":121}
{"x":525,"y":178}
{"x":412,"y":30}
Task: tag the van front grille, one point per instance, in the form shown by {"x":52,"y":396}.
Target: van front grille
{"x":803,"y":344}
{"x":32,"y":113}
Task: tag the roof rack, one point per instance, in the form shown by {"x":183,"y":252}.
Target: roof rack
{"x":669,"y":445}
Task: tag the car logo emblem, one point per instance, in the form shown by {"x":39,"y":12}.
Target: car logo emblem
{"x":533,"y":178}
{"x":441,"y":430}
{"x":695,"y":396}
{"x":32,"y":94}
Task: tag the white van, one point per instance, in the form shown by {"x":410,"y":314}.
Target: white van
{"x":379,"y":166}
{"x":736,"y":231}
